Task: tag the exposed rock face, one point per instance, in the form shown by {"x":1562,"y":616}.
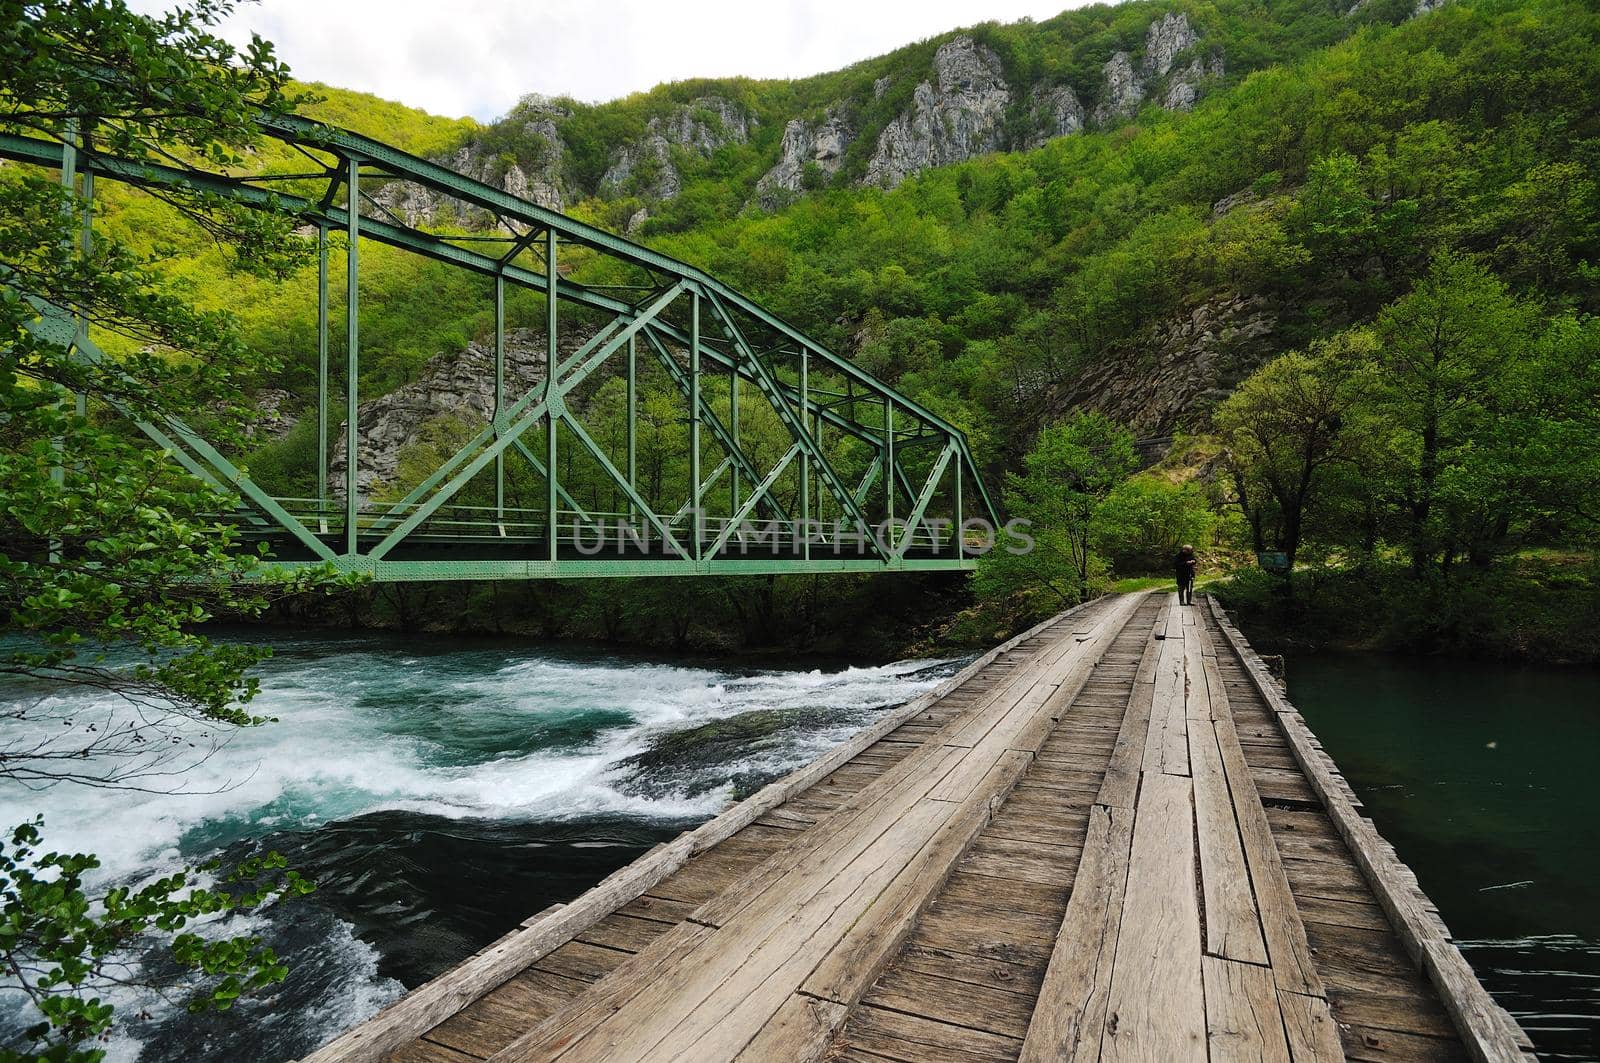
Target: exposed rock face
{"x":1166,"y":37}
{"x":539,"y":182}
{"x":273,"y":419}
{"x":957,"y":115}
{"x":456,"y":383}
{"x":822,"y":145}
{"x":1182,"y":369}
{"x":1056,"y":111}
{"x":1126,"y":88}
{"x":645,"y":167}
{"x":1123,"y":93}
{"x":1425,"y":6}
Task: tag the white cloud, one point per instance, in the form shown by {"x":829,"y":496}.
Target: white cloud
{"x":479,"y":57}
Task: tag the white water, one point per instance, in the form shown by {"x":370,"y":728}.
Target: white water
{"x":432,"y":731}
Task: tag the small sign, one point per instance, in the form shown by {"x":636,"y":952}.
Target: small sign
{"x":1273,"y":560}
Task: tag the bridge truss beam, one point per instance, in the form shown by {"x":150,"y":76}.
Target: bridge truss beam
{"x":822,"y":420}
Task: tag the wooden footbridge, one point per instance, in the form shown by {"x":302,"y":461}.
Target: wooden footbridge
{"x":1110,"y":838}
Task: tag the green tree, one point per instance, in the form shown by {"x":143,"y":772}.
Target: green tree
{"x":109,"y":552}
{"x":1283,"y":432}
{"x":1145,"y":519}
{"x":1067,"y":476}
{"x":1446,"y":355}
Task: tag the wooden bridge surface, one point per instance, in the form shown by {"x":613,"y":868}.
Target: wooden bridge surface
{"x":1112,"y":838}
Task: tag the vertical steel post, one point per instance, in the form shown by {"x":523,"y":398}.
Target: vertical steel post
{"x":86,"y":244}
{"x":69,"y":181}
{"x":733,"y":418}
{"x":352,"y":355}
{"x":322,"y":378}
{"x":958,"y":510}
{"x":550,"y":362}
{"x":805,"y":459}
{"x":499,"y":397}
{"x":694,"y":417}
{"x":632,"y":429}
{"x":888,"y":464}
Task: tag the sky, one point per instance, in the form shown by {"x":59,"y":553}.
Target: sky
{"x":478,"y":57}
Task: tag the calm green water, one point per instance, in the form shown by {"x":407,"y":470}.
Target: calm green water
{"x":1485,"y":777}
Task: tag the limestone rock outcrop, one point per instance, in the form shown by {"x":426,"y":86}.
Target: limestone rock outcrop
{"x":1123,"y":91}
{"x":1056,"y":111}
{"x":645,"y":167}
{"x":452,"y":385}
{"x":821,"y":145}
{"x":1159,"y":76}
{"x":535,"y":173}
{"x":956,"y":115}
{"x":1163,"y":41}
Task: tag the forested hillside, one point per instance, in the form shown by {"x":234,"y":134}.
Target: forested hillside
{"x":1124,"y":209}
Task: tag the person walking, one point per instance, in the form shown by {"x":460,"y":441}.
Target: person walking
{"x":1184,"y":567}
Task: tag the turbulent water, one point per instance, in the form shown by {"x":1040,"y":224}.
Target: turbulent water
{"x":438,"y":793}
{"x":1483,"y":777}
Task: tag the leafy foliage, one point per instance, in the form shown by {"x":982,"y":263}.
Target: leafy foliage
{"x":109,"y":552}
{"x":64,"y":944}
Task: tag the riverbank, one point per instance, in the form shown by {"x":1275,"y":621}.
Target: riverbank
{"x":880,"y":617}
{"x":1539,"y":609}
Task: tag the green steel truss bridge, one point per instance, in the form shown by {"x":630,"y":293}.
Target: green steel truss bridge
{"x":862,"y":478}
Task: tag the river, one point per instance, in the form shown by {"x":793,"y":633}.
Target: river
{"x":1485,"y":778}
{"x":438,"y":792}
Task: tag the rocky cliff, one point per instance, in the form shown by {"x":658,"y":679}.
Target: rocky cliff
{"x":956,"y":114}
{"x":963,"y":105}
{"x":1179,"y":370}
{"x":533,"y":174}
{"x":645,"y":168}
{"x":453,"y":386}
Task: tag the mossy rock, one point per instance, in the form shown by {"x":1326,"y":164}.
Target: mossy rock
{"x":714,"y":742}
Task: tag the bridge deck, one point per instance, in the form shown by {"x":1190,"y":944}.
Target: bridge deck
{"x":1111,"y":838}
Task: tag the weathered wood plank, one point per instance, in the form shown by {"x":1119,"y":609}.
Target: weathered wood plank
{"x":1233,"y":926}
{"x":1156,"y":1009}
{"x":1069,"y":1019}
{"x":1313,"y":1035}
{"x":1244,"y":1023}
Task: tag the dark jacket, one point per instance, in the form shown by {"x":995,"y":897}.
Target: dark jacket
{"x":1184,"y":567}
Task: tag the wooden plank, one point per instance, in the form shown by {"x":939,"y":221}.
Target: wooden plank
{"x":1233,"y":926}
{"x":1489,"y":1033}
{"x":801,"y":1020}
{"x":1313,"y":1035}
{"x":911,"y":1039}
{"x":1292,"y":964}
{"x":1167,"y":744}
{"x":961,"y":1002}
{"x":1244,"y":1023}
{"x":1070,"y":1016}
{"x":1156,"y":1009}
{"x":1120,"y":786}
{"x":856,"y":959}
